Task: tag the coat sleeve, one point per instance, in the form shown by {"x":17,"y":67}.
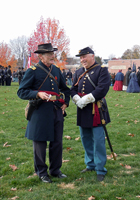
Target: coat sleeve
{"x":74,"y":89}
{"x":103,"y":84}
{"x":64,"y":89}
{"x":25,"y":90}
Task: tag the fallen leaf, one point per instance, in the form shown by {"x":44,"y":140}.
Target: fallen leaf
{"x":68,"y":137}
{"x":116,"y":104}
{"x":64,"y":185}
{"x":138,"y":196}
{"x":136,"y":121}
{"x":30,"y":190}
{"x":79,"y":179}
{"x":118,"y":115}
{"x":65,"y":161}
{"x":118,"y":197}
{"x":69,"y":148}
{"x":8,"y":158}
{"x":92,"y":197}
{"x":13,"y":189}
{"x":5,"y":145}
{"x":114,"y":155}
{"x":127,"y":166}
{"x":23,"y":127}
{"x":121,"y":164}
{"x":13,"y":167}
{"x":127,"y":121}
{"x":32,"y":175}
{"x":16,"y":197}
{"x":130,"y":134}
{"x":77,"y":138}
{"x":132,"y":154}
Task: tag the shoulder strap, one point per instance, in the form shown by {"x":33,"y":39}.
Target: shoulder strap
{"x":91,"y":81}
{"x":84,"y":74}
{"x":49,"y":74}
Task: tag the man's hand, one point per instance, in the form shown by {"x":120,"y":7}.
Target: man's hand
{"x":82,"y":102}
{"x":63,"y":107}
{"x":75,"y":98}
{"x":44,"y":96}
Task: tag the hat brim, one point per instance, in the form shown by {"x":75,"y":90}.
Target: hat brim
{"x":45,"y":50}
{"x":78,"y":55}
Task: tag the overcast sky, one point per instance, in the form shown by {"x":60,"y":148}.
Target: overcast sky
{"x":110,"y":26}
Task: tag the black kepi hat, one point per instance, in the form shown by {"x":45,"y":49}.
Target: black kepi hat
{"x":85,"y":51}
{"x":45,"y":48}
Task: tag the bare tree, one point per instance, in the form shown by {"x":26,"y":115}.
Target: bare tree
{"x":19,"y":49}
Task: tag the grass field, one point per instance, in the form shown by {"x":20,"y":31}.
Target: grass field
{"x":17,"y":178}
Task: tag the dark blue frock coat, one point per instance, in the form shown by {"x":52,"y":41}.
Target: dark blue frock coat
{"x":41,"y":125}
{"x":101,"y":78}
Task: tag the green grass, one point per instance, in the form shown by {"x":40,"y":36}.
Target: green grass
{"x":120,"y":182}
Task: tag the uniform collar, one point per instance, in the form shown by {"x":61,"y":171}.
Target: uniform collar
{"x":43,"y":65}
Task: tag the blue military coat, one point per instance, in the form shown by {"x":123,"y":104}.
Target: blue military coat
{"x":41,"y":125}
{"x":101,"y":78}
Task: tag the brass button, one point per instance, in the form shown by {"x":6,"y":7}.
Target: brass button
{"x":84,"y":78}
{"x":51,"y":80}
{"x":83,"y":88}
{"x":52,"y":88}
{"x":83,"y":85}
{"x":52,"y":84}
{"x":84,"y":81}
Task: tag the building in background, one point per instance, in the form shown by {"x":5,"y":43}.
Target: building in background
{"x":115,"y":65}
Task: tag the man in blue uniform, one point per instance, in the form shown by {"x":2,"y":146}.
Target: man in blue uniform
{"x":91,"y":83}
{"x":46,"y":122}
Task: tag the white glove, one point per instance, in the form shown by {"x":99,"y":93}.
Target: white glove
{"x":75,"y":98}
{"x":88,"y":98}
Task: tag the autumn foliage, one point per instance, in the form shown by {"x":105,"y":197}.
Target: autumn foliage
{"x":6,"y":58}
{"x":48,"y":31}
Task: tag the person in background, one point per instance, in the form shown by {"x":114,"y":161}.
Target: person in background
{"x":46,"y":122}
{"x":118,"y":85}
{"x":64,"y":74}
{"x":20,"y":75}
{"x":133,"y":86}
{"x":138,"y":75}
{"x":0,"y":74}
{"x":85,"y":95}
{"x":69,"y":77}
{"x":9,"y":75}
{"x":127,"y":75}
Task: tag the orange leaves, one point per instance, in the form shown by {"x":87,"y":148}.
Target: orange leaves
{"x":6,"y":58}
{"x":125,"y":166}
{"x":48,"y":30}
{"x":130,"y":134}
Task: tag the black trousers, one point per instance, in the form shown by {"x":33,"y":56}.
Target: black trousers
{"x":55,"y":149}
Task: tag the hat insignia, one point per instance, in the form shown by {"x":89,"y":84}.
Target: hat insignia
{"x":92,"y":72}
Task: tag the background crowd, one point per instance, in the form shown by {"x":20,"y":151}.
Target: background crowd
{"x":130,"y":82}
